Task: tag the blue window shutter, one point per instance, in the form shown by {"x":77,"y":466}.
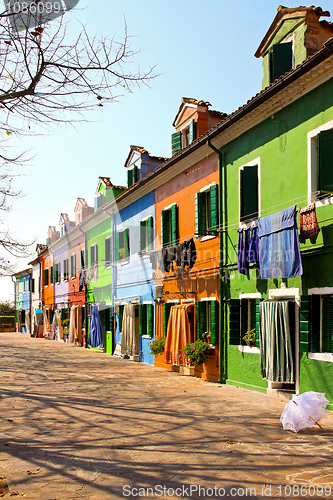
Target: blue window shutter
{"x":214,"y":214}
{"x":174,"y":224}
{"x":192,"y":131}
{"x":176,"y":142}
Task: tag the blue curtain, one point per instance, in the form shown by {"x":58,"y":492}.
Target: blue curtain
{"x":95,"y":328}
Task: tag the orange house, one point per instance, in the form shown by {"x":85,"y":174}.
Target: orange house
{"x":187,"y":229}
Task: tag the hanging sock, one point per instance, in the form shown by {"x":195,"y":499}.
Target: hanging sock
{"x":308,"y":222}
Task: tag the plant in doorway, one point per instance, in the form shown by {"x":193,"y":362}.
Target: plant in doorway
{"x":65,"y":329}
{"x":196,"y":353}
{"x":157,"y":346}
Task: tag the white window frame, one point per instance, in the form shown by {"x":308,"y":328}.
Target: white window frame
{"x":312,"y":140}
{"x":247,"y":348}
{"x":252,"y":163}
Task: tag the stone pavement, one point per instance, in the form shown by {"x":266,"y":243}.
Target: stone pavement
{"x":80,"y":424}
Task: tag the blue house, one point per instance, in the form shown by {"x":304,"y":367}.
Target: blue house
{"x":133,"y":278}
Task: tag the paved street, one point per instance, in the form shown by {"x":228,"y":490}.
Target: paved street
{"x":79,"y":424}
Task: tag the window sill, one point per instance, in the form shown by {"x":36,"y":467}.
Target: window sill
{"x":321,"y":356}
{"x":249,"y":349}
{"x":207,"y":237}
{"x":146,"y":337}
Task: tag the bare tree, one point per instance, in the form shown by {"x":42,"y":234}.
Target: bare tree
{"x":47,"y":75}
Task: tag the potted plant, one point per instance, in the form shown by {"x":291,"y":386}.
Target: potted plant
{"x":250,"y":337}
{"x":195,"y":354}
{"x":65,"y":329}
{"x":157,"y":346}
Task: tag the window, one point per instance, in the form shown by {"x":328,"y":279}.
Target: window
{"x":280,"y":60}
{"x":122,"y":244}
{"x":243,"y":317}
{"x":120,"y":317}
{"x":320,"y":161}
{"x":146,"y":319}
{"x":45,"y":277}
{"x":65,"y":267}
{"x":57,"y":272}
{"x":73,"y":265}
{"x":107,"y":249}
{"x":206,"y":314}
{"x":82,"y":258}
{"x":183,"y":138}
{"x":132,"y":176}
{"x":169,"y":226}
{"x":206,"y":211}
{"x":146,"y":234}
{"x":94,"y":255}
{"x":316,"y":323}
{"x":249,"y":192}
{"x":32,"y":285}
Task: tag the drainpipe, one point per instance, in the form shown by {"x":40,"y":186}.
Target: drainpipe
{"x":222,"y":330}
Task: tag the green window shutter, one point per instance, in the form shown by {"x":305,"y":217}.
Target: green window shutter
{"x":121,"y":312}
{"x":214,"y":214}
{"x":213,"y":321}
{"x":192,"y":131}
{"x":325,"y":160}
{"x":46,"y":277}
{"x":126,"y":241}
{"x":257,"y":320}
{"x":143,"y":319}
{"x":197,"y":319}
{"x":174,"y":224}
{"x":150,"y":233}
{"x":166,"y":313}
{"x":107,"y":256}
{"x":176,"y":142}
{"x":281,"y":57}
{"x":304,"y":324}
{"x":143,"y":235}
{"x":234,"y":322}
{"x":244,"y":311}
{"x":135,"y":174}
{"x":165,"y":228}
{"x":327,"y":323}
{"x":129,"y":178}
{"x":150,"y":319}
{"x":249,"y":192}
{"x":200,"y":214}
{"x":51,"y":275}
{"x":314,"y":301}
{"x":117,"y":246}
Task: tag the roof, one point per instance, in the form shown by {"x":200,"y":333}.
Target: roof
{"x":82,"y":201}
{"x":24,"y":272}
{"x":282,"y":12}
{"x":261,"y":97}
{"x":64,"y":217}
{"x":194,"y":102}
{"x":141,"y":150}
{"x":107,"y":183}
{"x":52,"y":229}
{"x":40,"y":248}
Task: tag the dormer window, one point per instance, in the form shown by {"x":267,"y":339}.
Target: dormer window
{"x":280,"y":60}
{"x":132,"y":175}
{"x":183,"y":137}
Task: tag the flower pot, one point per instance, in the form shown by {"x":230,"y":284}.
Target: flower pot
{"x":187,"y":370}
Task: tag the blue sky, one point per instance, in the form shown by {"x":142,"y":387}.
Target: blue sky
{"x":202,"y":49}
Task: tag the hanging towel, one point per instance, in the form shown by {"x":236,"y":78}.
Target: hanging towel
{"x":243,"y":251}
{"x":279,"y":251}
{"x":253,"y":247}
{"x":95,"y":328}
{"x":308,"y":222}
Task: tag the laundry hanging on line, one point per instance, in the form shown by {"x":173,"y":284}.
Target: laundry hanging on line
{"x":308,"y":222}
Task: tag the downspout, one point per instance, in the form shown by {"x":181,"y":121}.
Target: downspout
{"x":222,"y":330}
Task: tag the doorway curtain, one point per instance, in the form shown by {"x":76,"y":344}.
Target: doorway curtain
{"x":130,"y":341}
{"x":276,"y":350}
{"x":178,"y":334}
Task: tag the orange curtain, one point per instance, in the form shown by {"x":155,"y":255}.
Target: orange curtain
{"x":178,"y":334}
